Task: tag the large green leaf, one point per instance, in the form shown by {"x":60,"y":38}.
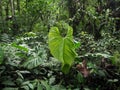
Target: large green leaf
{"x":62,"y":48}
{"x":1,"y":55}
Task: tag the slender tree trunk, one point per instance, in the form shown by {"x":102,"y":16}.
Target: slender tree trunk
{"x":0,"y":14}
{"x":7,"y":14}
{"x":0,"y":7}
{"x":7,"y":10}
{"x":1,"y":17}
{"x":26,"y":16}
{"x":12,"y":8}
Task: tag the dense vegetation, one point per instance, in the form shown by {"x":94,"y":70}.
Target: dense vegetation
{"x":59,"y":45}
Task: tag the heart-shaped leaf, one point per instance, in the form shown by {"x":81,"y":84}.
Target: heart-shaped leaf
{"x":62,"y":48}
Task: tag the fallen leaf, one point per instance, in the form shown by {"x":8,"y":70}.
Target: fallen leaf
{"x":83,"y":68}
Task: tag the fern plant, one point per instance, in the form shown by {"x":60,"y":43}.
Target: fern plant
{"x":62,"y":47}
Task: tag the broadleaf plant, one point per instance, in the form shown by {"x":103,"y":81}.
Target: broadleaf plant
{"x":62,"y":47}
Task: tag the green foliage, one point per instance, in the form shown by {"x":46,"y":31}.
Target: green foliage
{"x":14,"y":58}
{"x":80,"y":78}
{"x":62,"y":48}
{"x":77,"y":44}
{"x":37,"y":56}
{"x":26,"y":62}
{"x":20,"y":47}
{"x":44,"y":84}
{"x":9,"y":88}
{"x":27,"y":85}
{"x":116,"y":59}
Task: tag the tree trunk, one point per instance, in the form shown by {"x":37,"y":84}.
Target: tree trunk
{"x":1,"y":17}
{"x":12,"y":8}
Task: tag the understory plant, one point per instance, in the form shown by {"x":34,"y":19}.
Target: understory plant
{"x":62,"y":47}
